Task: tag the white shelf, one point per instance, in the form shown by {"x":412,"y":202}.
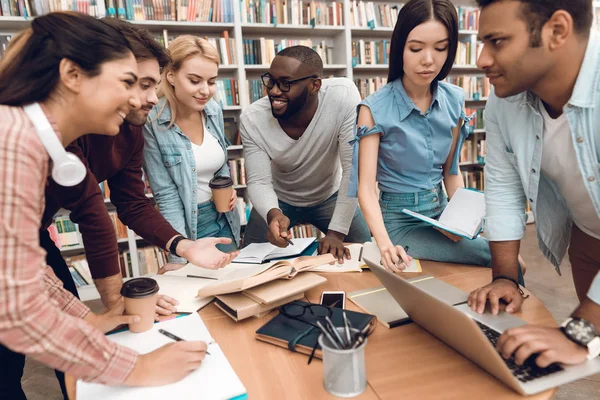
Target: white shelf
{"x":228,"y":67}
{"x":265,"y":67}
{"x":235,"y":147}
{"x":240,"y":186}
{"x":387,"y":31}
{"x":371,"y":67}
{"x":232,"y":108}
{"x":14,"y":23}
{"x":478,"y":131}
{"x":184,"y":26}
{"x":287,"y":29}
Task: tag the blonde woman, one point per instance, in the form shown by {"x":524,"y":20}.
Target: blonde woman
{"x":185,"y":146}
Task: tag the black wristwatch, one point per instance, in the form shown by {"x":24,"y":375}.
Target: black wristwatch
{"x":174,"y":243}
{"x":583,"y":333}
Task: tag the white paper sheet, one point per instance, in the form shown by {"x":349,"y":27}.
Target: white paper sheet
{"x":214,"y":380}
{"x":184,"y":290}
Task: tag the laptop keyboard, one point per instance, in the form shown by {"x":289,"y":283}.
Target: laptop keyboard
{"x":526,"y":372}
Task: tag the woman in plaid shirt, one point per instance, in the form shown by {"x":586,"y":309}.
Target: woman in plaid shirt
{"x":83,"y":74}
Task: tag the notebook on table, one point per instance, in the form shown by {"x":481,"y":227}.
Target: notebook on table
{"x":463,"y":216}
{"x":215,"y":379}
{"x":281,"y":330}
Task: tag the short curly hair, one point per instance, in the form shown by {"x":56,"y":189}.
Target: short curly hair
{"x":306,"y":56}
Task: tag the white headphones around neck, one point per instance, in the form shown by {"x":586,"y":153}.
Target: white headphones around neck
{"x":67,"y":169}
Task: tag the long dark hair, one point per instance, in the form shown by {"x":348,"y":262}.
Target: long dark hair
{"x":412,"y":14}
{"x":29,"y":70}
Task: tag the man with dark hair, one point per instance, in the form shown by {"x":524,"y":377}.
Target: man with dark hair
{"x":298,"y":156}
{"x":543,"y":145}
{"x":118,"y":160}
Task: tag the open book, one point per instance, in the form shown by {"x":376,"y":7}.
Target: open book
{"x":463,"y":216}
{"x":241,"y":279}
{"x":257,"y":253}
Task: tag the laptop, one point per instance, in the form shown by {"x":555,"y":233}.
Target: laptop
{"x":475,"y":335}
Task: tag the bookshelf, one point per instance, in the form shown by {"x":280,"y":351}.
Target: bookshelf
{"x":337,"y":29}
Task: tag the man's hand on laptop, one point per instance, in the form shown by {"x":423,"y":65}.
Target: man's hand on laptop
{"x":333,"y":243}
{"x":278,"y":228}
{"x":550,"y":344}
{"x":500,"y":289}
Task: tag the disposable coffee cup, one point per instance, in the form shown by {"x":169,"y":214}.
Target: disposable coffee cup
{"x":140,"y":296}
{"x":221,"y":187}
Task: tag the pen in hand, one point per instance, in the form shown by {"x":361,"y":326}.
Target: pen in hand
{"x":400,"y":261}
{"x":174,"y":337}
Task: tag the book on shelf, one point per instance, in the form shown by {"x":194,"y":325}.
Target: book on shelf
{"x":467,"y":51}
{"x":474,"y":179}
{"x":368,"y":86}
{"x":370,"y":52}
{"x":256,"y":90}
{"x":80,"y":270}
{"x":293,"y":12}
{"x":305,"y":231}
{"x":473,"y":152}
{"x":237,"y":169}
{"x":150,"y":260}
{"x":463,"y":216}
{"x":468,"y":18}
{"x":262,"y":51}
{"x":475,"y":87}
{"x":232,"y":132}
{"x":373,"y":16}
{"x":227,"y":93}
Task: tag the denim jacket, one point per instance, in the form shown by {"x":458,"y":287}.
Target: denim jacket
{"x":170,"y":166}
{"x":514,"y":129}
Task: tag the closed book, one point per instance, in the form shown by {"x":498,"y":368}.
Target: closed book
{"x":239,"y":307}
{"x":281,"y":330}
{"x":274,"y":291}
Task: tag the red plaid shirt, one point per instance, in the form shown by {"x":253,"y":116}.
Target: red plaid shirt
{"x":38,"y":317}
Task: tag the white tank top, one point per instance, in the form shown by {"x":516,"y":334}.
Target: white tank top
{"x":209,"y":158}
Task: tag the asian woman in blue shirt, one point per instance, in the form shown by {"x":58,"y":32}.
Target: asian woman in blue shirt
{"x":411,"y":132}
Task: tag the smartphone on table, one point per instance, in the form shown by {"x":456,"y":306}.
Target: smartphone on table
{"x":333,"y":299}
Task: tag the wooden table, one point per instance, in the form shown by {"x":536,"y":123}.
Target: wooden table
{"x":402,"y":363}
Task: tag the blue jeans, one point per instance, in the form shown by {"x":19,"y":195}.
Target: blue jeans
{"x":318,"y":215}
{"x":424,"y":241}
{"x":212,"y":223}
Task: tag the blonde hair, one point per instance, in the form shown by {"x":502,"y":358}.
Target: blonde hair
{"x":182,"y":48}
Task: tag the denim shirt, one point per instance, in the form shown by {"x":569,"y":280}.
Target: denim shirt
{"x":514,"y":129}
{"x":414,"y":146}
{"x":170,"y":166}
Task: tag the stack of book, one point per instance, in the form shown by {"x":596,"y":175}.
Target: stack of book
{"x":467,"y":51}
{"x":256,"y":90}
{"x":468,"y":18}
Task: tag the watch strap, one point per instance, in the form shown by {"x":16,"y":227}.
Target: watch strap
{"x":174,"y":243}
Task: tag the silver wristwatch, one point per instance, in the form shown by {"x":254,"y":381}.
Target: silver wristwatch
{"x":583,"y":333}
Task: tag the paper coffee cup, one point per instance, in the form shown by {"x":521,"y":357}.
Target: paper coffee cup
{"x":221,"y":187}
{"x":140,"y":296}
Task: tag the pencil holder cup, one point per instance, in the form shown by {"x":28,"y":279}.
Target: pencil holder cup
{"x":344,"y":369}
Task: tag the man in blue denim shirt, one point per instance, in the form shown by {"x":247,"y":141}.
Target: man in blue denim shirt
{"x":545,"y":68}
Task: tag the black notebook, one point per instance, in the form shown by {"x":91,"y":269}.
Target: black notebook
{"x":301,"y":337}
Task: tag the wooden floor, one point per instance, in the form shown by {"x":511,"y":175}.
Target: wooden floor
{"x":557,"y":293}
